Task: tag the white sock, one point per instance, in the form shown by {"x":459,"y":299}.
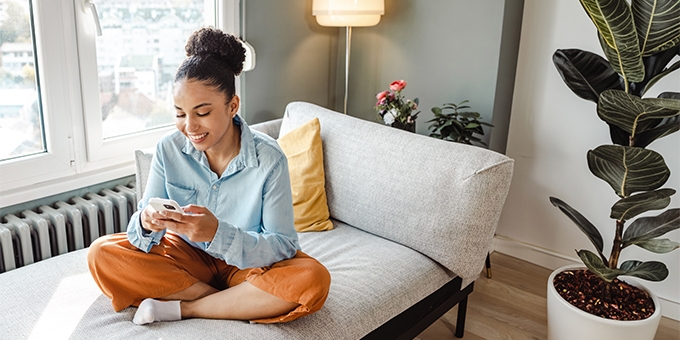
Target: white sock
{"x":151,"y":310}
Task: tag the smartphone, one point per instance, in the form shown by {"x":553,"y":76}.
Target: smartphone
{"x":161,"y":204}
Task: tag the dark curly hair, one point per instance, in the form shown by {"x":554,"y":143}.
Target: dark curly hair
{"x":213,"y":58}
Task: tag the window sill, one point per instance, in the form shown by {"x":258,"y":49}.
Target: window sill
{"x":64,"y":184}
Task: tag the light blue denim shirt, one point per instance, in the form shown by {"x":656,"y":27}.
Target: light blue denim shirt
{"x":252,"y":199}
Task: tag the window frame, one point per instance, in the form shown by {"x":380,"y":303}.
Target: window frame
{"x":76,"y":154}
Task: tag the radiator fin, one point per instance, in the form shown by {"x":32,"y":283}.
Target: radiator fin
{"x":60,"y":227}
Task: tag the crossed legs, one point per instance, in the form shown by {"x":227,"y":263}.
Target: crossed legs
{"x":199,"y":286}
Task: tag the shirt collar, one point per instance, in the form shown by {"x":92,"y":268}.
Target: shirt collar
{"x":247,"y":156}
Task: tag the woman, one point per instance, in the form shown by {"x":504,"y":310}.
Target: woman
{"x":234,"y":252}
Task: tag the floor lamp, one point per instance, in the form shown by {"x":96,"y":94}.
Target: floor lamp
{"x":348,"y":14}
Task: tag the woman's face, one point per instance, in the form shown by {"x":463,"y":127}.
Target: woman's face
{"x":204,"y":116}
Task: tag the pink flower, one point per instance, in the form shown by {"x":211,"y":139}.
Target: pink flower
{"x":381,"y":95}
{"x":398,"y":85}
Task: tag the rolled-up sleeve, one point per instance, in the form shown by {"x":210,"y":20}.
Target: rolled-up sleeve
{"x":155,"y":187}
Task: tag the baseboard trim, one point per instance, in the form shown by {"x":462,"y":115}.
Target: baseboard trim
{"x":552,"y":260}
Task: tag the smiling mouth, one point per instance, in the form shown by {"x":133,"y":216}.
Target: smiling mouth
{"x":196,"y":138}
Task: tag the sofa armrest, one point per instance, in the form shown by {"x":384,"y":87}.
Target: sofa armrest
{"x":271,"y":127}
{"x":440,"y":198}
{"x":143,"y":159}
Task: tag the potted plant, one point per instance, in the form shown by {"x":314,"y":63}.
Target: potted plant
{"x":395,"y":110}
{"x":456,"y":126}
{"x":639,"y":41}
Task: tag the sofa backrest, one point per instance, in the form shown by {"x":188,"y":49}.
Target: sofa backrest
{"x":440,"y":198}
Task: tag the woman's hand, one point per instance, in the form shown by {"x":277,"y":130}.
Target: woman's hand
{"x":151,"y":219}
{"x":197,"y":223}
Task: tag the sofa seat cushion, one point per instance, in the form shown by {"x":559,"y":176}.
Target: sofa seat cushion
{"x":373,"y":280}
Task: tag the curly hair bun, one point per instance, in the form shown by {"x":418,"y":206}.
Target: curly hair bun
{"x":212,"y":42}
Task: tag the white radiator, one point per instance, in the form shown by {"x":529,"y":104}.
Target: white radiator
{"x":55,"y":229}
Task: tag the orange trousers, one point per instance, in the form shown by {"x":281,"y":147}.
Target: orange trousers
{"x":128,"y":275}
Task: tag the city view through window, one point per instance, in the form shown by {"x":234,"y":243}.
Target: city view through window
{"x":21,"y":130}
{"x":141,"y":45}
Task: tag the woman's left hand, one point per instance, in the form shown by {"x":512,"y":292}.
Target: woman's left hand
{"x":197,"y":223}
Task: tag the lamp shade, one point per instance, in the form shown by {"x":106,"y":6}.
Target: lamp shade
{"x":353,"y":13}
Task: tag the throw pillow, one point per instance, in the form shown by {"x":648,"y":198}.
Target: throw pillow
{"x":304,"y":152}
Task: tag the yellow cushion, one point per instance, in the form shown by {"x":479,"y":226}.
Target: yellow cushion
{"x":302,"y":147}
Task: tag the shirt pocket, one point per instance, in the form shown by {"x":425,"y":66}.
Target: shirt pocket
{"x":183,"y":196}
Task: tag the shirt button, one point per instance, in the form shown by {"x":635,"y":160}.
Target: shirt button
{"x":215,"y":187}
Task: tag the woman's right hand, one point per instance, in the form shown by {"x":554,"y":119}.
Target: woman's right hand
{"x":150,"y":218}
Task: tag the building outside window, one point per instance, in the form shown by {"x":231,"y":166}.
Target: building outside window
{"x":21,"y":130}
{"x":75,"y":104}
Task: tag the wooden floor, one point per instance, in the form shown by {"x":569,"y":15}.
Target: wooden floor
{"x":512,"y":305}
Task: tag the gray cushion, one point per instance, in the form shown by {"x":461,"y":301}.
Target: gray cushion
{"x":143,"y":160}
{"x":270,"y":128}
{"x":62,"y":300}
{"x":399,"y":185}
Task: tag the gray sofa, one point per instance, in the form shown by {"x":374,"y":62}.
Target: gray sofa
{"x":414,"y":218}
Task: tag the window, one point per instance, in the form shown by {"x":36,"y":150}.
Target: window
{"x":21,"y":131}
{"x":74,"y":104}
{"x":137,"y":54}
{"x":127,"y":90}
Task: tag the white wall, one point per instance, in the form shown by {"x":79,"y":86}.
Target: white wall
{"x":551,"y":129}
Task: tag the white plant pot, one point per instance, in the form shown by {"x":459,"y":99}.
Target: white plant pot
{"x":568,"y":322}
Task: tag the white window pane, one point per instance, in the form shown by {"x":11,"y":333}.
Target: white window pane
{"x":21,"y":131}
{"x":141,"y":45}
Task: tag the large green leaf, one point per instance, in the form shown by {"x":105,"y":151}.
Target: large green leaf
{"x":650,"y":270}
{"x":659,"y":246}
{"x":633,"y":205}
{"x":585,"y":73}
{"x":614,"y":22}
{"x":597,"y":266}
{"x":668,"y":103}
{"x":670,"y":95}
{"x":634,"y":114}
{"x":656,"y":76}
{"x":647,"y":228}
{"x":657,"y":23}
{"x":582,"y":222}
{"x":628,"y":169}
{"x":665,"y":128}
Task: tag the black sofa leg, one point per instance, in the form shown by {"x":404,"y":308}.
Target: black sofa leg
{"x":488,"y":265}
{"x":460,"y":322}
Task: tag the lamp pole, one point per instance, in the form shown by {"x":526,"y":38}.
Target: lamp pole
{"x":348,"y":13}
{"x":348,"y":45}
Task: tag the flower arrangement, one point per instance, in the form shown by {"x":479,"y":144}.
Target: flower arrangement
{"x":394,"y":109}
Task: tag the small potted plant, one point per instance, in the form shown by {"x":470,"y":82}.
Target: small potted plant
{"x":395,"y":110}
{"x":639,"y":41}
{"x":449,"y":123}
